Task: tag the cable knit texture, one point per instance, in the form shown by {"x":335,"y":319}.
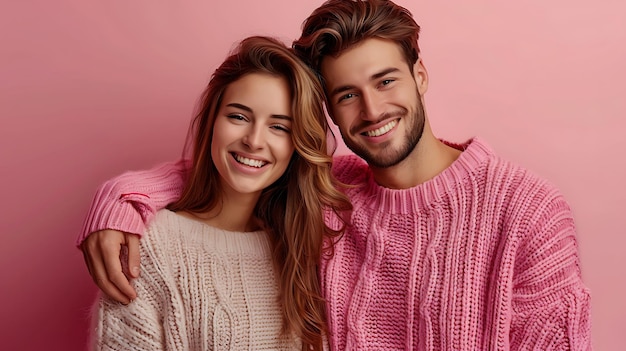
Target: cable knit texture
{"x":482,"y":257}
{"x":200,"y":288}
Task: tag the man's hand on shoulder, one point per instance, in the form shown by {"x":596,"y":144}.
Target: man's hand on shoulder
{"x":102,"y":251}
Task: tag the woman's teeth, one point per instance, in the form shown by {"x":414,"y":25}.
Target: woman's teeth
{"x":249,"y":162}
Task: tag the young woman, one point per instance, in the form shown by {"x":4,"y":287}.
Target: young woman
{"x":232,"y":264}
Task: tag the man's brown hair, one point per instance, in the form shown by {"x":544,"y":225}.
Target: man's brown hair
{"x":338,"y":25}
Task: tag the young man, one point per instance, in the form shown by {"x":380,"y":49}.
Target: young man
{"x":450,"y":247}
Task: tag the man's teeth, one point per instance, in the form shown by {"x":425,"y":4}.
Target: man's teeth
{"x":382,"y":130}
{"x":249,"y":162}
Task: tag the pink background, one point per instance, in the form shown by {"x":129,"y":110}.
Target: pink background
{"x":90,"y":89}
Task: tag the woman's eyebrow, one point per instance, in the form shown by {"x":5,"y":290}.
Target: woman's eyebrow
{"x":246,"y":108}
{"x":282,"y":117}
{"x":240,"y":106}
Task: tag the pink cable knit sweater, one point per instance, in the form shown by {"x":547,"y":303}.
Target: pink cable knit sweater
{"x":482,"y":257}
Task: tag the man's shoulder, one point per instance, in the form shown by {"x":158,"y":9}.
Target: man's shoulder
{"x":505,"y":178}
{"x":526,"y":193}
{"x":500,"y":169}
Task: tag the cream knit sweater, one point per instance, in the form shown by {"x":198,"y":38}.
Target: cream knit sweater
{"x":200,"y":288}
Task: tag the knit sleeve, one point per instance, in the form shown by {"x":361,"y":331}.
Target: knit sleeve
{"x":551,"y":305}
{"x":127,"y":202}
{"x":133,"y":327}
{"x":155,"y":319}
{"x":137,"y":326}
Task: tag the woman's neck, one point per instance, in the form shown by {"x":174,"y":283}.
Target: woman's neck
{"x":235,"y":213}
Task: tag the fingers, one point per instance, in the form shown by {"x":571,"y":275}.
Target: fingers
{"x":132,"y":241}
{"x":117,"y":281}
{"x":101,"y":251}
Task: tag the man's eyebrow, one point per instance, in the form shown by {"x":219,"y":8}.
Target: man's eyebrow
{"x":246,"y":108}
{"x":374,"y":76}
{"x":383,"y":73}
{"x":339,"y":90}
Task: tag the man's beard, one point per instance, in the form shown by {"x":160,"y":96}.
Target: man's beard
{"x":393,"y":157}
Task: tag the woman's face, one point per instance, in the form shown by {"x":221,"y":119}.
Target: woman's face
{"x":252,"y":143}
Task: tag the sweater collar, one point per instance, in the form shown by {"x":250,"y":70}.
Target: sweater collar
{"x":436,"y":190}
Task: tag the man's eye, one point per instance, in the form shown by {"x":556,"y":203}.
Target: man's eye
{"x":386,"y":82}
{"x":346,"y":96}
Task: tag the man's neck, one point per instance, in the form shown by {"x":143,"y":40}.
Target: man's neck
{"x":429,"y":158}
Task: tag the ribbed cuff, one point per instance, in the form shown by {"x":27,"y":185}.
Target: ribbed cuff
{"x":128,"y":202}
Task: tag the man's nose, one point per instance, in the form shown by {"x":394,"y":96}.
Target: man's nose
{"x":372,"y":106}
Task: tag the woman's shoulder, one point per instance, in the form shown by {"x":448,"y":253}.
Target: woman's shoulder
{"x":173,"y":231}
{"x":165,"y":228}
{"x":164,"y":219}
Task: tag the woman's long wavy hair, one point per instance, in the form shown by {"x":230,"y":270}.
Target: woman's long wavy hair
{"x":338,"y":25}
{"x":291,"y":210}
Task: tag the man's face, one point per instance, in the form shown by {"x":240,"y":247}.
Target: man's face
{"x":375,"y":100}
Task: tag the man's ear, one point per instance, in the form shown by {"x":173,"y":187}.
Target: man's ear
{"x":421,"y":76}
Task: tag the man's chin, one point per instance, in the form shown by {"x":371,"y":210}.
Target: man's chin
{"x":381,"y":159}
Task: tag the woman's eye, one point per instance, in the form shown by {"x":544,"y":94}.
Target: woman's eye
{"x":281,"y":128}
{"x":237,"y":117}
